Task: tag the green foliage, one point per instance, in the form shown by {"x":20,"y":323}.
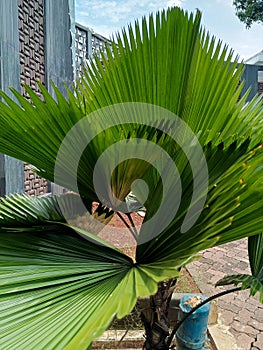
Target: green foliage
{"x":22,"y":212}
{"x":62,"y":286}
{"x":249,"y":11}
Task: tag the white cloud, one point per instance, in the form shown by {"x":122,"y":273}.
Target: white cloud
{"x":110,"y":10}
{"x":117,"y":13}
{"x":172,"y":3}
{"x":228,"y":3}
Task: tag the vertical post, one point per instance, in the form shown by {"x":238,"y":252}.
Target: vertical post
{"x":260,"y":80}
{"x":59,"y":48}
{"x":89,"y":44}
{"x":59,"y":42}
{"x":11,"y":170}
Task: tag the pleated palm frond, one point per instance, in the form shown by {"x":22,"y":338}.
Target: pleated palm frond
{"x":55,"y":284}
{"x":22,"y":212}
{"x":60,"y":289}
{"x":254,"y":281}
{"x":232,"y":210}
{"x":194,"y":77}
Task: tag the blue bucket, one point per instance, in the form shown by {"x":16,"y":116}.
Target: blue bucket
{"x":192,"y":334}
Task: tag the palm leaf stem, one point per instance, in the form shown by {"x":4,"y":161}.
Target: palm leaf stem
{"x":133,"y":230}
{"x":132,"y":224}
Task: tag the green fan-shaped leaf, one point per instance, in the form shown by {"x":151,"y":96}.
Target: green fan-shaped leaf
{"x":255,"y":253}
{"x":169,"y":66}
{"x":60,"y":291}
{"x":22,"y":212}
{"x":61,"y":286}
{"x":232,"y":210}
{"x":50,"y":285}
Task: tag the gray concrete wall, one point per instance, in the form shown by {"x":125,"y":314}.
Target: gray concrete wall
{"x":250,"y":77}
{"x":59,"y":42}
{"x":59,"y":49}
{"x":11,"y":170}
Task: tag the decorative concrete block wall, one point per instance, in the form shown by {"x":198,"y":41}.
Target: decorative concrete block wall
{"x":87,"y":44}
{"x":31,"y":42}
{"x":32,"y":68}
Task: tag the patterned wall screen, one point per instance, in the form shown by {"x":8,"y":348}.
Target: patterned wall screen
{"x":32,"y":67}
{"x":88,"y":44}
{"x":98,"y":44}
{"x":82,"y":49}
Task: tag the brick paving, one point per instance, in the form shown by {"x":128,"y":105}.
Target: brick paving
{"x":238,"y":311}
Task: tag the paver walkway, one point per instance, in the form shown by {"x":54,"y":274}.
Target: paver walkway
{"x":241,"y":313}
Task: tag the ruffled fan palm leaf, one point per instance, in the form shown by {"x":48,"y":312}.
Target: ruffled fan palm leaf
{"x":22,"y":212}
{"x":163,"y":107}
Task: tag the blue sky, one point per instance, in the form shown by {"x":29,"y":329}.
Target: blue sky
{"x":218,"y":17}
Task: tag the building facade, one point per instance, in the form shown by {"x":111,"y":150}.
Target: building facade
{"x":254,"y":73}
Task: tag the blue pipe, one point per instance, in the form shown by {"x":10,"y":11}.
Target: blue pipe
{"x":192,"y":332}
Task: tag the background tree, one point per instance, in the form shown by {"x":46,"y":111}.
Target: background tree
{"x":249,"y":11}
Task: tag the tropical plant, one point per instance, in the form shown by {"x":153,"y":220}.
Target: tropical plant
{"x":165,"y":103}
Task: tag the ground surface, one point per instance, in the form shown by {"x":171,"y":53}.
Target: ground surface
{"x":240,"y":314}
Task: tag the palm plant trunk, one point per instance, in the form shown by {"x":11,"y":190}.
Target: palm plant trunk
{"x":155,"y":317}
